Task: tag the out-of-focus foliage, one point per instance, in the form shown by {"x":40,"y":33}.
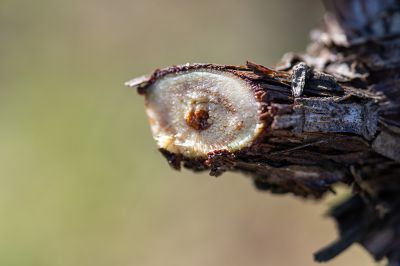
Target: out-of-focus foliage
{"x":81,"y":182}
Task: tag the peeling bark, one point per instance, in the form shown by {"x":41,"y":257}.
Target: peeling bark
{"x":331,"y":115}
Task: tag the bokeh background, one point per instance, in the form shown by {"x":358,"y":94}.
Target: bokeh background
{"x":81,"y":181}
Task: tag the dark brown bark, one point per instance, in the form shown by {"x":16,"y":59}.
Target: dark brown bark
{"x":327,"y":116}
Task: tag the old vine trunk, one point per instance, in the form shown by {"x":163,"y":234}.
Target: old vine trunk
{"x":331,"y":115}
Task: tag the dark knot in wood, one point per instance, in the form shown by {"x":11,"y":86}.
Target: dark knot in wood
{"x":198,"y":119}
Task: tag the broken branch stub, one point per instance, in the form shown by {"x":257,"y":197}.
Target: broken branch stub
{"x":290,"y":134}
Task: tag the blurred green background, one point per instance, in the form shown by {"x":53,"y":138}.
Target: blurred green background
{"x":81,"y":181}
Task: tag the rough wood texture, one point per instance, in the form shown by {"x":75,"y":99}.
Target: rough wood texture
{"x":327,"y":116}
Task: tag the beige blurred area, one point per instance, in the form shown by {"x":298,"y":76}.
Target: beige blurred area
{"x":81,"y":181}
